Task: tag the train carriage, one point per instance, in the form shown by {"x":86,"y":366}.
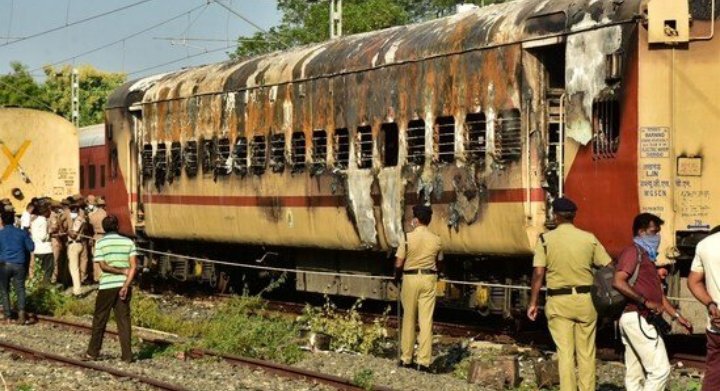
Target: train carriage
{"x":487,"y":115}
{"x":39,"y":156}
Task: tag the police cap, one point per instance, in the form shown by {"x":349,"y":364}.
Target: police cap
{"x":101,"y":201}
{"x":422,"y":212}
{"x":563,"y":204}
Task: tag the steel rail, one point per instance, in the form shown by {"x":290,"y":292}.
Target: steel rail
{"x":88,"y":365}
{"x":267,"y":366}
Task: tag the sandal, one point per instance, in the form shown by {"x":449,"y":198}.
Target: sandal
{"x":88,"y":357}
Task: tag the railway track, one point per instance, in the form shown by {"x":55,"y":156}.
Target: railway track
{"x":266,"y":366}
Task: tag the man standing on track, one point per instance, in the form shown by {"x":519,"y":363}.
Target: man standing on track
{"x":15,"y":249}
{"x":40,"y":233}
{"x":96,"y":217}
{"x":116,"y":256}
{"x":76,"y":247}
{"x":704,"y":283}
{"x":566,"y":256}
{"x":418,"y":263}
{"x":646,"y":361}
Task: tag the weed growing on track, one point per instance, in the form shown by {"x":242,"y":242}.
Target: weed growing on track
{"x":364,"y":378}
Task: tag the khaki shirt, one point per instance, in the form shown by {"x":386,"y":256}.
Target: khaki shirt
{"x":96,"y":217}
{"x":568,"y":255}
{"x":423,"y":249}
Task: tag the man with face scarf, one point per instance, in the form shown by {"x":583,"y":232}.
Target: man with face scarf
{"x":646,"y":360}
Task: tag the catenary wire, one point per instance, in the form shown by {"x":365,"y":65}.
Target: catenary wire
{"x":84,"y":20}
{"x":247,"y":20}
{"x":180,"y":59}
{"x":121,"y":40}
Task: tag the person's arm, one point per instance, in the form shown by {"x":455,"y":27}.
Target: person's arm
{"x":130,"y":276}
{"x":537,"y":281}
{"x":104,"y":266}
{"x":621,"y":284}
{"x":600,"y":255}
{"x":675,"y":314}
{"x":696,"y":284}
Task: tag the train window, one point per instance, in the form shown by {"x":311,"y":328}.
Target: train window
{"x":190,"y":158}
{"x":509,"y":136}
{"x":102,"y":176}
{"x":606,"y":127}
{"x":319,"y":151}
{"x":297,"y":153}
{"x":91,"y":176}
{"x":82,"y":177}
{"x":445,"y":139}
{"x":258,"y":156}
{"x":416,"y":142}
{"x":240,"y":156}
{"x":223,"y":163}
{"x":364,"y":147}
{"x":341,"y":148}
{"x":277,"y":152}
{"x":147,"y":161}
{"x":390,"y":146}
{"x":208,"y":155}
{"x":175,"y":161}
{"x":475,"y":137}
{"x":160,"y":164}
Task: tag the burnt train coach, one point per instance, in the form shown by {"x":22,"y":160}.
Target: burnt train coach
{"x":39,"y":156}
{"x":320,"y":151}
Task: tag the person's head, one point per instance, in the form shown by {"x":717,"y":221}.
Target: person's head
{"x":647,"y":224}
{"x":43,"y":210}
{"x":30,"y":207}
{"x":110,"y":224}
{"x":422,"y":214}
{"x":8,"y":219}
{"x":564,"y":210}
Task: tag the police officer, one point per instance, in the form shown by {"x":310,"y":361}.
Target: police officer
{"x":57,"y":236}
{"x":417,"y":262}
{"x":95,"y":218}
{"x":564,"y":257}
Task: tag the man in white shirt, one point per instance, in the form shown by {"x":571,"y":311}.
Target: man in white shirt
{"x":704,"y":283}
{"x":44,"y":258}
{"x":26,"y":217}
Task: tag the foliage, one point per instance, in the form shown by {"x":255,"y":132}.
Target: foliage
{"x":306,"y":22}
{"x":241,"y":327}
{"x":364,"y":378}
{"x":20,"y":89}
{"x":346,"y":328}
{"x":145,"y":312}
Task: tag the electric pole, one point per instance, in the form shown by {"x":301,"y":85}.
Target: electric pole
{"x":75,"y":97}
{"x":335,"y":18}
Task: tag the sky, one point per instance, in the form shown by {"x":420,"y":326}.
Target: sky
{"x":137,"y":56}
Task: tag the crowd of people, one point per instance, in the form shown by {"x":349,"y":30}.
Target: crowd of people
{"x":74,"y":237}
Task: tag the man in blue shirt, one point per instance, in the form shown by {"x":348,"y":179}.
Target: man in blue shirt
{"x":15,"y":249}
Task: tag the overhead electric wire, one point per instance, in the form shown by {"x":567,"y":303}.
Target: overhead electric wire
{"x":181,"y":59}
{"x":247,"y":20}
{"x":166,"y":21}
{"x":66,"y":25}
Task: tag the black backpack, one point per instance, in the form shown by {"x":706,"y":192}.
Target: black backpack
{"x":608,"y":301}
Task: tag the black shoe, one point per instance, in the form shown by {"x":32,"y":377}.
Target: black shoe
{"x":402,"y":364}
{"x":424,"y":368}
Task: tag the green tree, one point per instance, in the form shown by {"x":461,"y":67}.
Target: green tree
{"x":20,"y":89}
{"x":306,"y":22}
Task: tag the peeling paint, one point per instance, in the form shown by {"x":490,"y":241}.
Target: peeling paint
{"x":359,"y":185}
{"x":392,"y":186}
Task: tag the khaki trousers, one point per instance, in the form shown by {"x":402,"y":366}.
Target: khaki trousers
{"x":96,"y":265}
{"x":646,"y":359}
{"x":418,"y":301}
{"x":74,"y":257}
{"x":84,"y":261}
{"x":572,"y":321}
{"x":57,"y":247}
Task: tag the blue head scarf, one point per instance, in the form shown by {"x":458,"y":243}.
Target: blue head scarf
{"x":649,"y":243}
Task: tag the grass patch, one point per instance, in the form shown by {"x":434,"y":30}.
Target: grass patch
{"x":364,"y":378}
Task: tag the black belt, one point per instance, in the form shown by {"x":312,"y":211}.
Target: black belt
{"x":420,"y":271}
{"x":569,"y":291}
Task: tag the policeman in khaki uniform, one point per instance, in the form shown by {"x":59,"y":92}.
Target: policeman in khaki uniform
{"x":95,"y":218}
{"x":417,"y":262}
{"x":565,"y":257}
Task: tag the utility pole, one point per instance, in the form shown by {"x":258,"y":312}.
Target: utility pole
{"x":75,"y":97}
{"x":335,"y":18}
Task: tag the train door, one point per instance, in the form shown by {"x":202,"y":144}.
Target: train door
{"x":549,"y":74}
{"x":135,"y":149}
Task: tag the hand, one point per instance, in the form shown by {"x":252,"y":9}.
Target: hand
{"x":398,"y":275}
{"x":714,"y":314}
{"x":655,"y":308}
{"x":685,"y":323}
{"x":123,"y":293}
{"x":532,"y":312}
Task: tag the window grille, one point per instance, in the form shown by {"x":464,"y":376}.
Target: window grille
{"x":258,"y":156}
{"x":342,"y":148}
{"x":208,"y":155}
{"x":147,"y":161}
{"x":606,"y":128}
{"x":390,"y":147}
{"x":175,"y":161}
{"x":297,"y":153}
{"x":91,"y":176}
{"x":416,"y":142}
{"x":160,"y":163}
{"x":319,"y":154}
{"x":277,"y":152}
{"x":509,"y":136}
{"x":476,"y":137}
{"x":445,"y":136}
{"x":223,"y":163}
{"x":240,"y":156}
{"x":364,"y":147}
{"x":190,"y":158}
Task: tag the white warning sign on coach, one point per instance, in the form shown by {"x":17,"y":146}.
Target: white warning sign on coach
{"x":654,"y":142}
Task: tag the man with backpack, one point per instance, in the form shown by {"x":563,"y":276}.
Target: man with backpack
{"x":641,"y":324}
{"x":566,"y":256}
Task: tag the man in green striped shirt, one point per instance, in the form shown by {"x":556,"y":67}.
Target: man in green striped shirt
{"x":116,"y":256}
